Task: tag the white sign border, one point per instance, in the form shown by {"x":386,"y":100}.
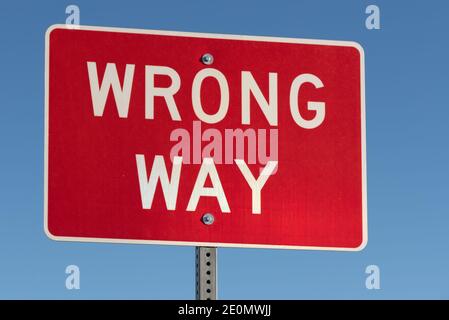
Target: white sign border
{"x":211,"y":36}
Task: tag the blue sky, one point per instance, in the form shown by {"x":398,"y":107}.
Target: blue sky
{"x":407,"y":112}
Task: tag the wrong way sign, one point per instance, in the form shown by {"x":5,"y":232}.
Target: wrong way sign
{"x":204,"y":139}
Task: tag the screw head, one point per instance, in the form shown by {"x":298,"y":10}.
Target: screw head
{"x":207,"y":59}
{"x":208,"y":218}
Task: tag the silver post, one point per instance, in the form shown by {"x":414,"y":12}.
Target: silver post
{"x":206,"y":273}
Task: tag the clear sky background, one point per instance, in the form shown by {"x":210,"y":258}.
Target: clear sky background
{"x":407,"y":142}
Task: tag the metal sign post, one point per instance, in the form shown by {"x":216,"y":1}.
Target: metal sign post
{"x":206,"y":273}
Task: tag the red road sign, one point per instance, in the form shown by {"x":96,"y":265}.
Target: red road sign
{"x":148,"y":134}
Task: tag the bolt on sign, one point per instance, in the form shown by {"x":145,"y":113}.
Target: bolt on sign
{"x":204,"y":139}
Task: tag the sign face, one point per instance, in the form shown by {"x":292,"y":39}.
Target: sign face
{"x":203,"y":139}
